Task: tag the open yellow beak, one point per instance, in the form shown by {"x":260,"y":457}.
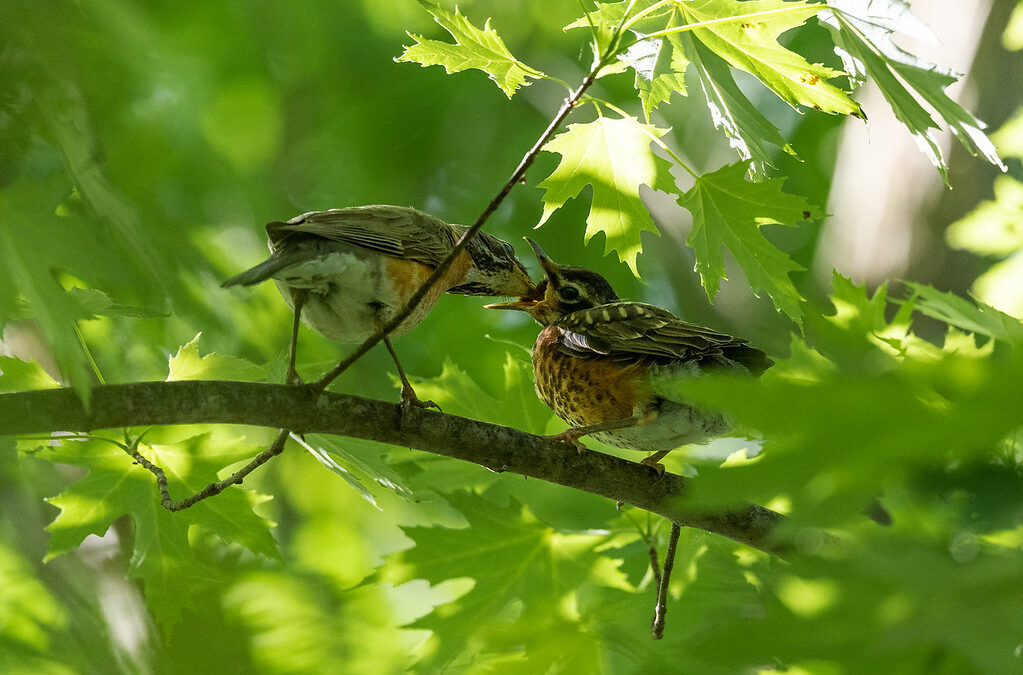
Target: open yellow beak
{"x":521,"y":304}
{"x":527,"y":302}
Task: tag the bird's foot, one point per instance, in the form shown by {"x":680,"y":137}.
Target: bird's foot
{"x":571,"y":436}
{"x":652,"y":462}
{"x":410,"y":400}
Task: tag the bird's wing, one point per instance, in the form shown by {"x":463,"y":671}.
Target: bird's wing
{"x":634,"y":331}
{"x":397,"y":231}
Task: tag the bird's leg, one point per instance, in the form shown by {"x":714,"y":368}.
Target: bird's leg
{"x":298,"y":299}
{"x":572,"y":436}
{"x":408,"y":394}
{"x":653,"y":461}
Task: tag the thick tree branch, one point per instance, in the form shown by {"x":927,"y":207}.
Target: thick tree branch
{"x":305,"y":409}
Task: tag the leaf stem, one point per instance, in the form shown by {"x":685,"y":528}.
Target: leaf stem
{"x":661,"y":144}
{"x":724,"y":20}
{"x":640,"y":14}
{"x":88,"y":353}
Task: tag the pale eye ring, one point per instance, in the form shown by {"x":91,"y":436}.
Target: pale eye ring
{"x":568,"y":293}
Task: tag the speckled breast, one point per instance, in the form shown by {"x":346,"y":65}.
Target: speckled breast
{"x":585,"y":391}
{"x":596,"y":390}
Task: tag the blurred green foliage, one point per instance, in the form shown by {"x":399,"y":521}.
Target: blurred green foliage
{"x":142,"y":147}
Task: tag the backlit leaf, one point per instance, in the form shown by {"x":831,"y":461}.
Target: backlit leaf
{"x":614,"y":157}
{"x":728,"y":212}
{"x":473,"y":49}
{"x":863,"y":32}
{"x":750,"y":42}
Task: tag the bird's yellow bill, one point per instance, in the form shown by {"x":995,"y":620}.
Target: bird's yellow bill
{"x":521,"y":304}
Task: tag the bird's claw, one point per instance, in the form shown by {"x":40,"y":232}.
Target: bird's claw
{"x":410,"y":400}
{"x":570,"y":436}
{"x":652,"y":462}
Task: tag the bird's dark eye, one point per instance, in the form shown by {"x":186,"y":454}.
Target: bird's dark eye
{"x":509,"y":249}
{"x":568,"y":293}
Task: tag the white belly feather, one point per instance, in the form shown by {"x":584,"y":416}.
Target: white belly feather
{"x":348,"y":297}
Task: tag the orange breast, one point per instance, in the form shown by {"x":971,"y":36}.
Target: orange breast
{"x":407,"y":276}
{"x":586,"y":391}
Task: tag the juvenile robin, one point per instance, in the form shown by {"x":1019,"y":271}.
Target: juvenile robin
{"x":599,"y":363}
{"x":347,"y":272}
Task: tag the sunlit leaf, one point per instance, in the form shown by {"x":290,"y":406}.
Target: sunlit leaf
{"x":161,"y":555}
{"x":1001,"y":286}
{"x":728,"y":212}
{"x":18,"y":375}
{"x":970,"y":316}
{"x":750,"y":43}
{"x":731,"y":111}
{"x":863,"y":35}
{"x":995,"y":227}
{"x":614,"y":157}
{"x":351,"y":458}
{"x":522,"y":571}
{"x":188,"y":365}
{"x":473,"y":49}
{"x":836,"y":439}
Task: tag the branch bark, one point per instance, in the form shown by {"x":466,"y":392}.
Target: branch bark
{"x":305,"y":409}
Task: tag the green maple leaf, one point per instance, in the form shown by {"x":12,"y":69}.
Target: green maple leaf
{"x":972,"y":316}
{"x":522,"y":570}
{"x":862,"y":37}
{"x":852,"y":335}
{"x":660,"y":67}
{"x":614,"y":156}
{"x":18,"y":375}
{"x":48,"y":302}
{"x":353,"y":458}
{"x":473,"y":49}
{"x":859,"y":430}
{"x":187,"y":364}
{"x":732,"y":112}
{"x":995,"y":227}
{"x":728,"y":212}
{"x":161,"y":556}
{"x":751,"y":44}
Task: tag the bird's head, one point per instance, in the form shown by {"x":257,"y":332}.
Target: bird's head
{"x":495,"y":268}
{"x":565,"y":289}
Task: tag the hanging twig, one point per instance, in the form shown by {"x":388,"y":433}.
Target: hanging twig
{"x":657,"y":627}
{"x":213,"y":488}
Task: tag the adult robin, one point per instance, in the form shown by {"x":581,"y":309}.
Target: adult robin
{"x":347,"y":272}
{"x":602,"y":364}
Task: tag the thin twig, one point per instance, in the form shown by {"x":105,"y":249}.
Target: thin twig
{"x":657,"y":627}
{"x":516,"y":177}
{"x":213,"y":488}
{"x":655,"y":564}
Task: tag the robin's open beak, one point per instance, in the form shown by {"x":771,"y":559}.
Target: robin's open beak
{"x":523,"y":304}
{"x":527,"y":302}
{"x":550,"y":268}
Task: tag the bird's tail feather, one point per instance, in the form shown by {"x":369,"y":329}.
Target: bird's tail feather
{"x":260,"y":272}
